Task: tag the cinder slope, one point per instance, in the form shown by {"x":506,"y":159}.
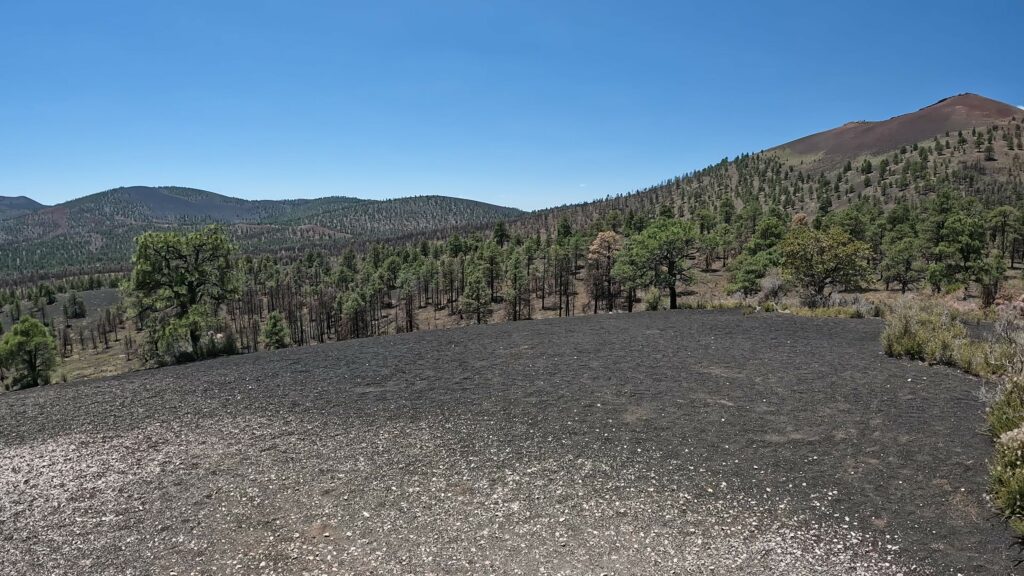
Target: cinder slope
{"x":692,"y":443}
{"x":961,"y":112}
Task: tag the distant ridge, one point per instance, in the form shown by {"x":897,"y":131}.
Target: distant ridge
{"x":99,"y":229}
{"x":170,"y":204}
{"x":14,"y":206}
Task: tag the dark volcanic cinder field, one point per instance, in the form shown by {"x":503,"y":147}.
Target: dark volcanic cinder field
{"x":655,"y":443}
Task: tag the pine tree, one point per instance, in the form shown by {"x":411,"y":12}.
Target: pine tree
{"x":29,"y":351}
{"x":476,"y":297}
{"x":500,"y":234}
{"x":74,"y":307}
{"x":658,"y":256}
{"x":275,"y":333}
{"x":600,"y":259}
{"x":517,"y":288}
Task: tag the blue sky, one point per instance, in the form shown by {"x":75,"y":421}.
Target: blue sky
{"x":522,"y":103}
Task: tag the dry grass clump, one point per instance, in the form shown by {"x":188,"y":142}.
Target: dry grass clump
{"x":714,"y":305}
{"x":924,"y":331}
{"x":834,"y":307}
{"x":831,"y":312}
{"x":1006,"y":412}
{"x":1007,"y":477}
{"x":930,"y":332}
{"x":653,"y":301}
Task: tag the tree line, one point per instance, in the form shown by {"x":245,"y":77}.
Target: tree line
{"x":196,"y":297}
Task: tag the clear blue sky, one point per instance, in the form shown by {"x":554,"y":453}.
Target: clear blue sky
{"x":523,"y":103}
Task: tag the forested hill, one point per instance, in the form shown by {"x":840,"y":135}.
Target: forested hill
{"x":97,"y":230}
{"x":968,"y":143}
{"x":14,"y":206}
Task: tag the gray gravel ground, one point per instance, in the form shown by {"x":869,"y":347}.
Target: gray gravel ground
{"x":655,"y":443}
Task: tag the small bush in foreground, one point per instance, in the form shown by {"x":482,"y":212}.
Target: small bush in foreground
{"x":1007,"y":478}
{"x":979,"y":358}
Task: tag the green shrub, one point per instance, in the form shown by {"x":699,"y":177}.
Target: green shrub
{"x":1006,"y":482}
{"x":653,"y":301}
{"x":923,"y":331}
{"x":197,"y":336}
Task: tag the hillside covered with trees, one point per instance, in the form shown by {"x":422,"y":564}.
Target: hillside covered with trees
{"x":938,"y":215}
{"x":966,"y":144}
{"x":983,"y":159}
{"x":96,"y":232}
{"x":14,"y":206}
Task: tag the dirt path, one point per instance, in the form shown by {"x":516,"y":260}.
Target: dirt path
{"x":654,"y":443}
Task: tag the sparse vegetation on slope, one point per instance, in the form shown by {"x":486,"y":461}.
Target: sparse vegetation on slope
{"x":856,"y":139}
